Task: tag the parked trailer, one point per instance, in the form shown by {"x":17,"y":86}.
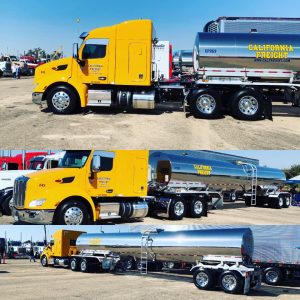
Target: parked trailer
{"x":7,"y":178}
{"x":221,"y":256}
{"x":128,"y":184}
{"x":99,"y":76}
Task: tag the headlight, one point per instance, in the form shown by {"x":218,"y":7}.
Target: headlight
{"x":38,"y":202}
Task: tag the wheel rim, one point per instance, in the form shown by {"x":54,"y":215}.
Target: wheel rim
{"x":83,"y":266}
{"x":248,"y":105}
{"x":129,"y":264}
{"x":11,"y":204}
{"x":206,"y":103}
{"x":272,"y":276}
{"x":170,"y":265}
{"x":280,"y":202}
{"x":61,"y":100}
{"x":44,"y":261}
{"x":198,"y":207}
{"x":287,"y":201}
{"x":73,"y":264}
{"x":229,"y":282}
{"x":73,"y":216}
{"x":179,"y":208}
{"x":202,"y":279}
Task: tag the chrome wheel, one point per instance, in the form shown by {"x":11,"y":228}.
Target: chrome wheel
{"x":61,"y":100}
{"x":11,"y":204}
{"x":73,"y":264}
{"x":44,"y":261}
{"x":206,"y":103}
{"x":198,"y":207}
{"x":202,"y":279}
{"x":280,"y":202}
{"x":272,"y":276}
{"x":287,"y":201}
{"x":248,"y":105}
{"x":179,"y":208}
{"x":229,"y":282}
{"x":83,"y":266}
{"x":73,"y":216}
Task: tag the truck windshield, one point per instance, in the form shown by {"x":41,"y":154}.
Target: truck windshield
{"x":74,"y":159}
{"x":36,"y":165}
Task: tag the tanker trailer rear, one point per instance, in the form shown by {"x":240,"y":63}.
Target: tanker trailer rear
{"x":222,"y":257}
{"x":244,"y":73}
{"x":195,"y":172}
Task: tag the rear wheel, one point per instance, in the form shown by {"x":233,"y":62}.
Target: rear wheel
{"x":74,"y":264}
{"x":272,"y":276}
{"x":206,"y":104}
{"x":44,"y":261}
{"x":204,"y":279}
{"x":196,"y":208}
{"x":278,"y":202}
{"x":247,"y":104}
{"x":231,"y":282}
{"x":62,"y":100}
{"x":248,"y":201}
{"x":177,"y":209}
{"x":72,"y":213}
{"x":84,"y":267}
{"x":287,"y":202}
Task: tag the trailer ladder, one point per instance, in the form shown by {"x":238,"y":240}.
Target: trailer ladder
{"x":251,"y":170}
{"x":146,"y":244}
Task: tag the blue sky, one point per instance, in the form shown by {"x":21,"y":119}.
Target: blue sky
{"x":27,"y":24}
{"x":272,"y":158}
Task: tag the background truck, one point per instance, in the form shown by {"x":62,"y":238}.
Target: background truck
{"x":7,"y":178}
{"x":241,"y":73}
{"x":223,"y":256}
{"x":95,"y":185}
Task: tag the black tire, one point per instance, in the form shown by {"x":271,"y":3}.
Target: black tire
{"x":74,"y":266}
{"x":64,"y":213}
{"x":248,"y":201}
{"x":272,"y":276}
{"x":84,"y":266}
{"x":5,"y":205}
{"x":71,"y":100}
{"x":237,"y":285}
{"x":243,"y":95}
{"x":196,"y":208}
{"x":129,"y":263}
{"x":177,"y":209}
{"x":278,"y":202}
{"x":198,"y":108}
{"x":44,"y":261}
{"x":287,"y":202}
{"x":209,"y":279}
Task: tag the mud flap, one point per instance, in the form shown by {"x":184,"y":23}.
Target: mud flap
{"x":268,"y":109}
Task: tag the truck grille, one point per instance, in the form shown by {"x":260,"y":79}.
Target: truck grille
{"x":19,"y":191}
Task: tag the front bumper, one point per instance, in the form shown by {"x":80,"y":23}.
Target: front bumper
{"x":33,"y":216}
{"x":37,"y":98}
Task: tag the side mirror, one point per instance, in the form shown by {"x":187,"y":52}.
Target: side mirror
{"x":96,"y":164}
{"x":75,"y":50}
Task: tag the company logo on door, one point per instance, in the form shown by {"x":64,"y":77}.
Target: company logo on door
{"x":95,"y":69}
{"x":203,"y":170}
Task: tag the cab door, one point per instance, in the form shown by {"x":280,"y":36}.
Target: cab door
{"x":102,"y":182}
{"x":95,"y":61}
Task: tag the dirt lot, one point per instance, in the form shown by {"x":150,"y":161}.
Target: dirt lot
{"x":232,"y":213}
{"x":24,"y":126}
{"x":20,"y":279}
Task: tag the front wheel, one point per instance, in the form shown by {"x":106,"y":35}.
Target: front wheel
{"x":177,"y":209}
{"x":247,"y":104}
{"x":7,"y":205}
{"x":206,"y":104}
{"x":72,"y":213}
{"x":62,"y":100}
{"x":44,"y":261}
{"x":231,"y":282}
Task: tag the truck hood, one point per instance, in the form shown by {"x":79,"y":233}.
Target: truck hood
{"x":54,"y":174}
{"x":7,"y":178}
{"x":61,"y":68}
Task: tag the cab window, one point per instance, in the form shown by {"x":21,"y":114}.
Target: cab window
{"x":95,"y":48}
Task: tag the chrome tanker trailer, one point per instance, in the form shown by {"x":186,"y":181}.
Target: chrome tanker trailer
{"x":220,"y":257}
{"x":244,"y":73}
{"x":195,"y":172}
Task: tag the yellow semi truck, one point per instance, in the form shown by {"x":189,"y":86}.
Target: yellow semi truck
{"x":98,"y":185}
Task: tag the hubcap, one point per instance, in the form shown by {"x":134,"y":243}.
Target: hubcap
{"x":83,"y":265}
{"x":44,"y":261}
{"x":179,"y":208}
{"x":73,"y":216}
{"x":272,"y":276}
{"x":248,"y":105}
{"x":206,"y":104}
{"x":61,"y":100}
{"x":73,"y":264}
{"x":198,"y":207}
{"x":229,"y":282}
{"x":280,"y":202}
{"x":202,"y":279}
{"x":287,"y":201}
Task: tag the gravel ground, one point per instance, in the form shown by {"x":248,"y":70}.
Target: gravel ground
{"x":24,"y":126}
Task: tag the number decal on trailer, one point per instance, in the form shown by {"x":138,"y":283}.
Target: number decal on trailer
{"x":211,"y":51}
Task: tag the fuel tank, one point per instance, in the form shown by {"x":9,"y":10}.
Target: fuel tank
{"x":168,"y":168}
{"x":187,"y":246}
{"x":242,"y":50}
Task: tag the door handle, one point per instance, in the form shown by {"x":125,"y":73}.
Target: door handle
{"x":102,"y":78}
{"x":109,"y":191}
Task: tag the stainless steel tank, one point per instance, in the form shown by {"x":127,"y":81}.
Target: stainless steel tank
{"x":183,"y":58}
{"x":167,"y":168}
{"x":241,"y":50}
{"x":187,"y":246}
